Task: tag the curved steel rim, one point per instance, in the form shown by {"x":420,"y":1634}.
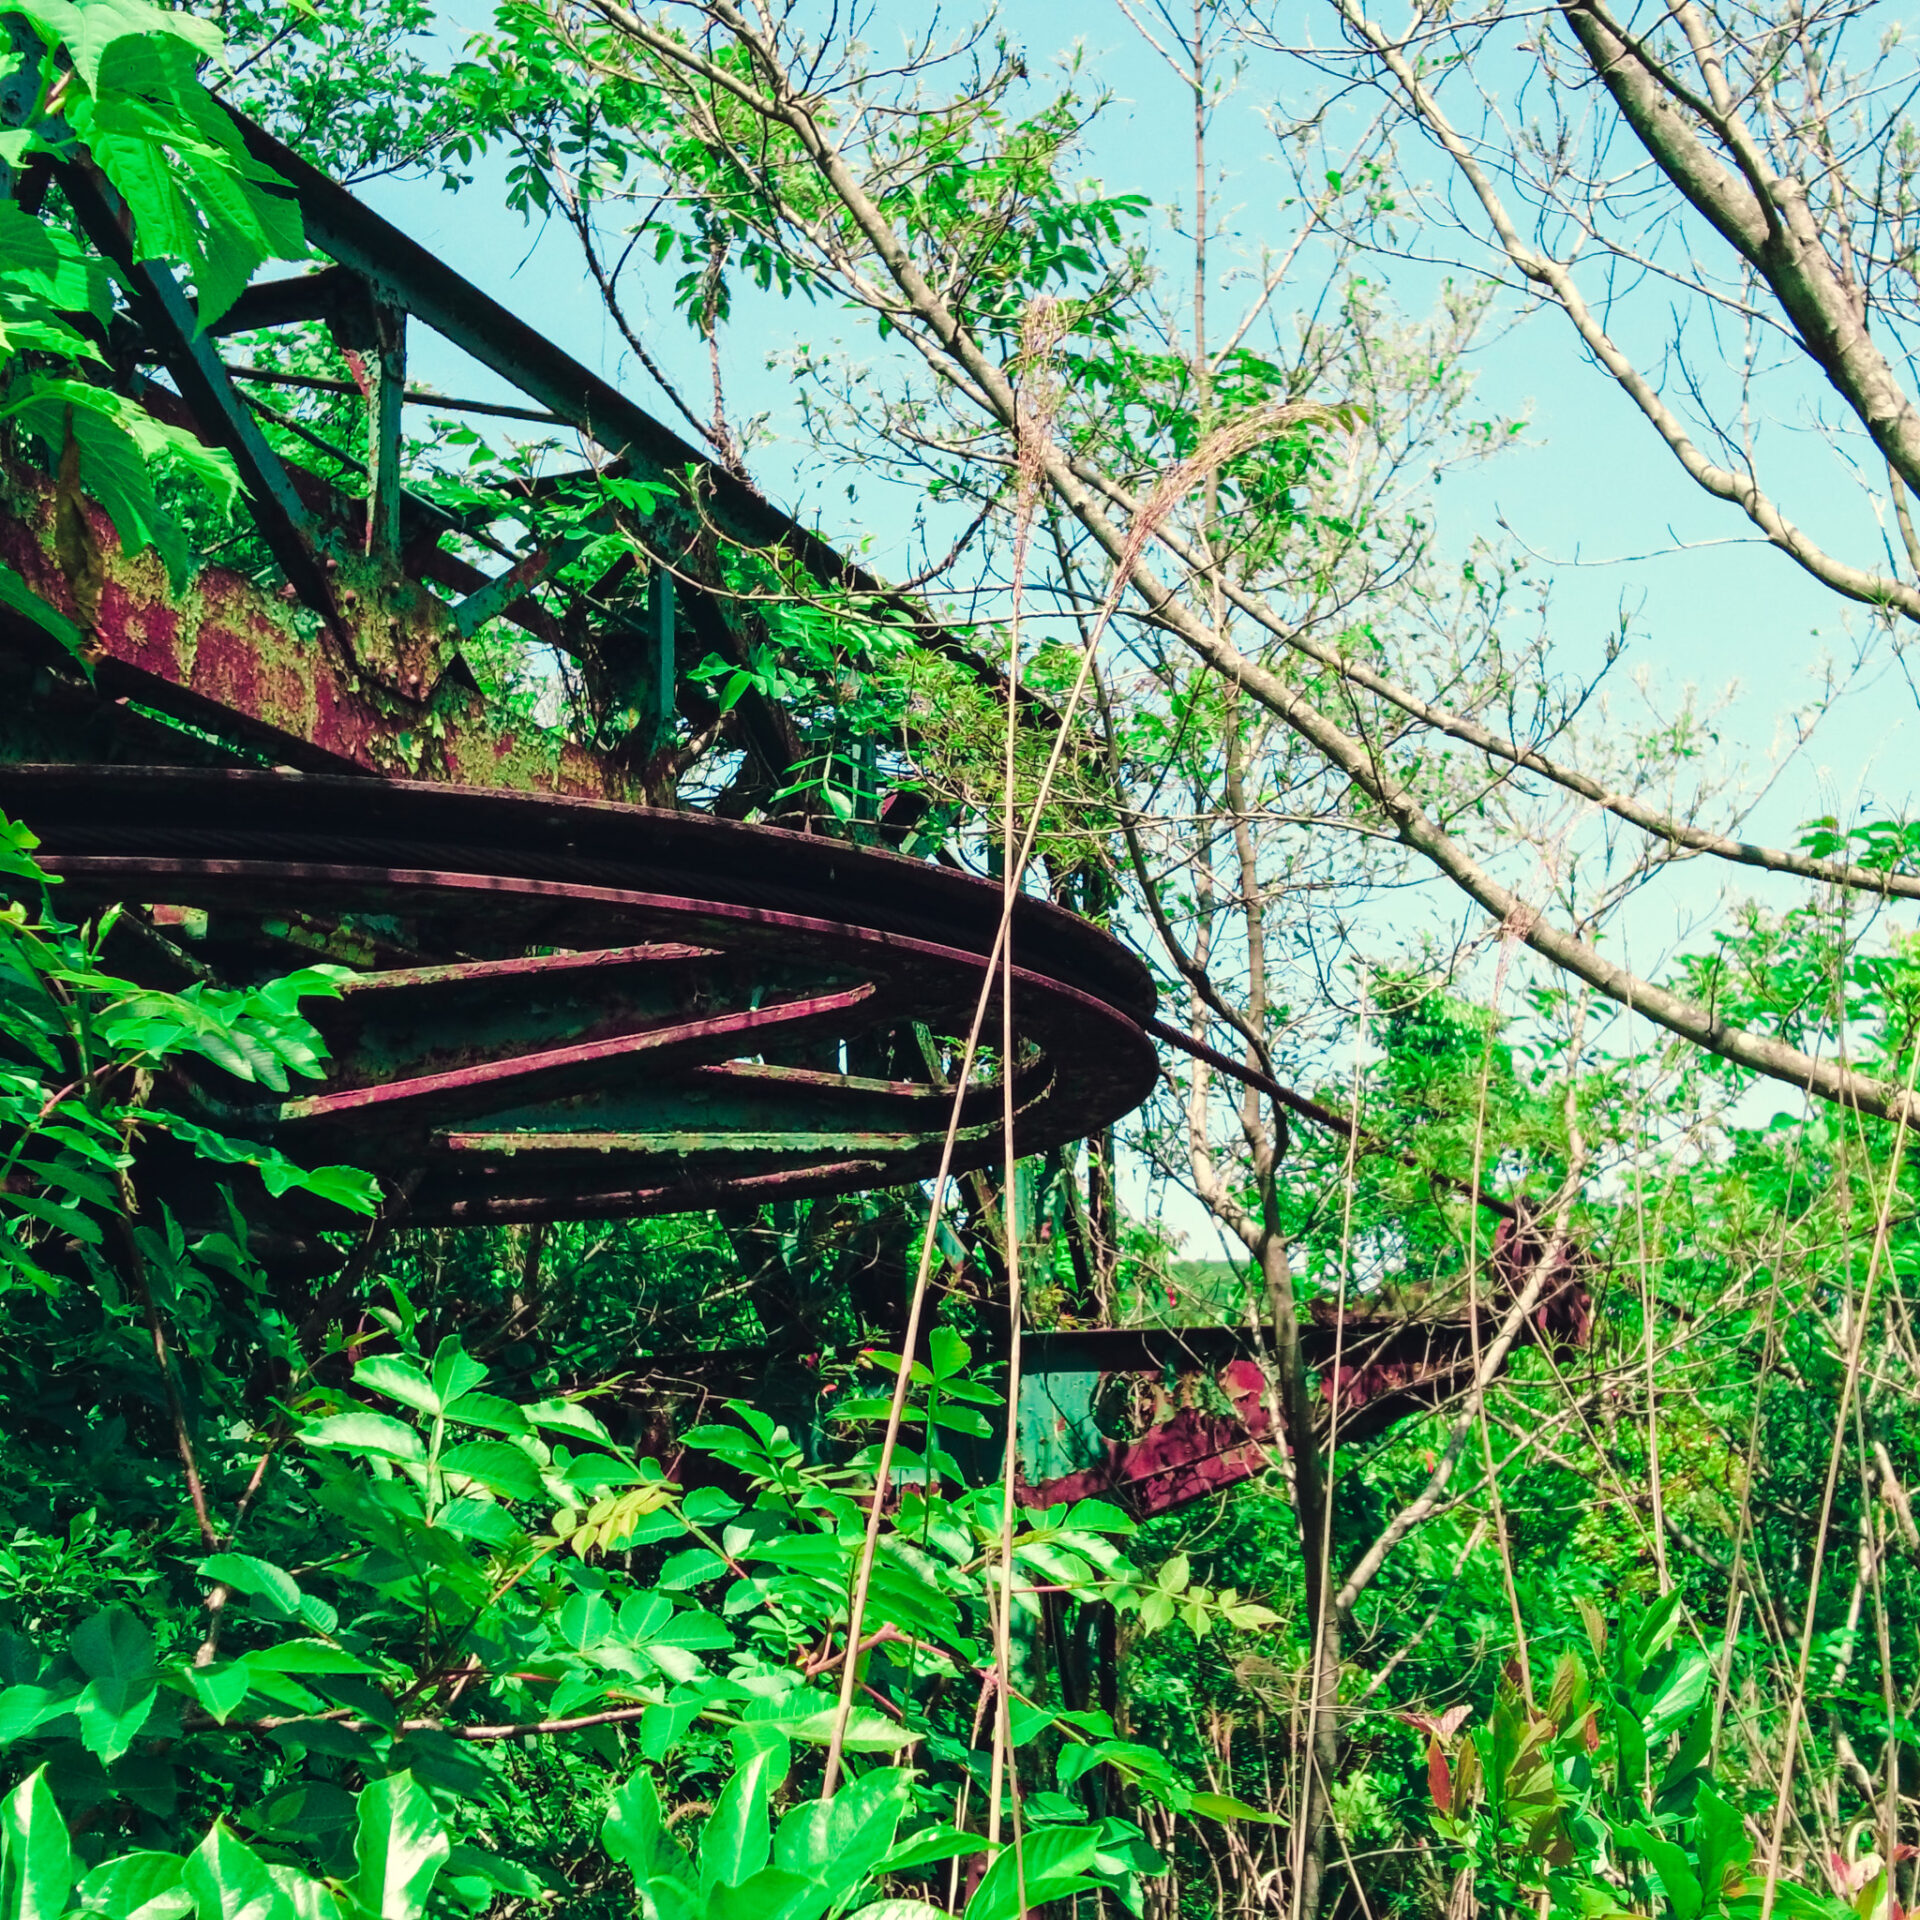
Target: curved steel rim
{"x":573,"y":1147}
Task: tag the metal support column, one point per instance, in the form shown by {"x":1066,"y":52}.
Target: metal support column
{"x":387,"y":375}
{"x":657,"y":698}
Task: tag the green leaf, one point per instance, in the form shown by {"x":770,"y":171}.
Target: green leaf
{"x":634,"y":1833}
{"x":223,"y":1689}
{"x":24,"y":1709}
{"x":400,"y":1847}
{"x":36,"y":1858}
{"x":840,"y":1843}
{"x":1721,"y":1843}
{"x":927,"y":1847}
{"x":455,"y":1371}
{"x":802,"y":1716}
{"x":738,"y":1836}
{"x":771,"y":1894}
{"x":1670,"y":1864}
{"x":490,"y":1411}
{"x":568,"y":1416}
{"x":16,"y":595}
{"x":142,"y":1884}
{"x":116,"y":1653}
{"x":1223,"y":1806}
{"x":504,"y":1876}
{"x":1674,"y":1695}
{"x":399,"y":1380}
{"x":229,"y":1881}
{"x":307,"y":1656}
{"x":310,"y":1899}
{"x":498,"y":1465}
{"x":693,"y":1568}
{"x":364,"y":1431}
{"x":258,"y":1579}
{"x":1051,"y":1864}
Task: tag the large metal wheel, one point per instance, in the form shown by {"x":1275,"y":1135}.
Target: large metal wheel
{"x":575,"y":1008}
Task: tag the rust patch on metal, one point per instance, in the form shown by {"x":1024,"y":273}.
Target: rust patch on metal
{"x":222,"y":651}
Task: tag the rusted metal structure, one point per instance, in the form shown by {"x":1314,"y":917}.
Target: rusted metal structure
{"x":1210,"y":1420}
{"x":566,"y":1004}
{"x":570,"y":1009}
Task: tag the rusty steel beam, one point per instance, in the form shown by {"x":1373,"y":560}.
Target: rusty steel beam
{"x":1379,"y":1364}
{"x":408,"y":275}
{"x":222,"y":653}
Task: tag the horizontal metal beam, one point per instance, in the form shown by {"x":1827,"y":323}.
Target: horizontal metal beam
{"x":227,"y":657}
{"x":334,"y":293}
{"x":669,"y":1142}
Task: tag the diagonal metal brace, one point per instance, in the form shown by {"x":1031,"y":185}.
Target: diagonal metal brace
{"x":167,"y":317}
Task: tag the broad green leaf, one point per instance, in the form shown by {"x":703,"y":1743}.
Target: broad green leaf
{"x":137,"y":1884}
{"x":1223,"y":1806}
{"x":100,"y":23}
{"x":488,"y":1410}
{"x":24,"y":1709}
{"x":841,"y":1842}
{"x":1721,"y":1843}
{"x":801,"y":1716}
{"x":310,"y":1899}
{"x":306,"y":1656}
{"x":568,"y":1416}
{"x":693,"y":1568}
{"x":258,"y":1579}
{"x":221,"y":1689}
{"x":771,"y":1894}
{"x":1678,"y":1691}
{"x":364,"y":1431}
{"x":1658,"y":1625}
{"x":636,"y":1835}
{"x":497,"y":1465}
{"x":36,"y":1859}
{"x":21,"y":598}
{"x":399,"y":1380}
{"x":1670,"y":1863}
{"x":1051,"y":1863}
{"x":504,"y":1876}
{"x":456,"y":1373}
{"x":229,"y":1881}
{"x":738,"y":1836}
{"x":929,"y":1846}
{"x":663,"y":1727}
{"x":116,"y":1653}
{"x":400,"y":1847}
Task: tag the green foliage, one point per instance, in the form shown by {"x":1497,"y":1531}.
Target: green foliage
{"x":399,"y":1849}
{"x":115,"y":84}
{"x":88,"y":1057}
{"x":1601,"y":1795}
{"x":435,"y":1566}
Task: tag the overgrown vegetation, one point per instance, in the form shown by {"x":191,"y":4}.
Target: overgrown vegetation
{"x":415,"y":1575}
